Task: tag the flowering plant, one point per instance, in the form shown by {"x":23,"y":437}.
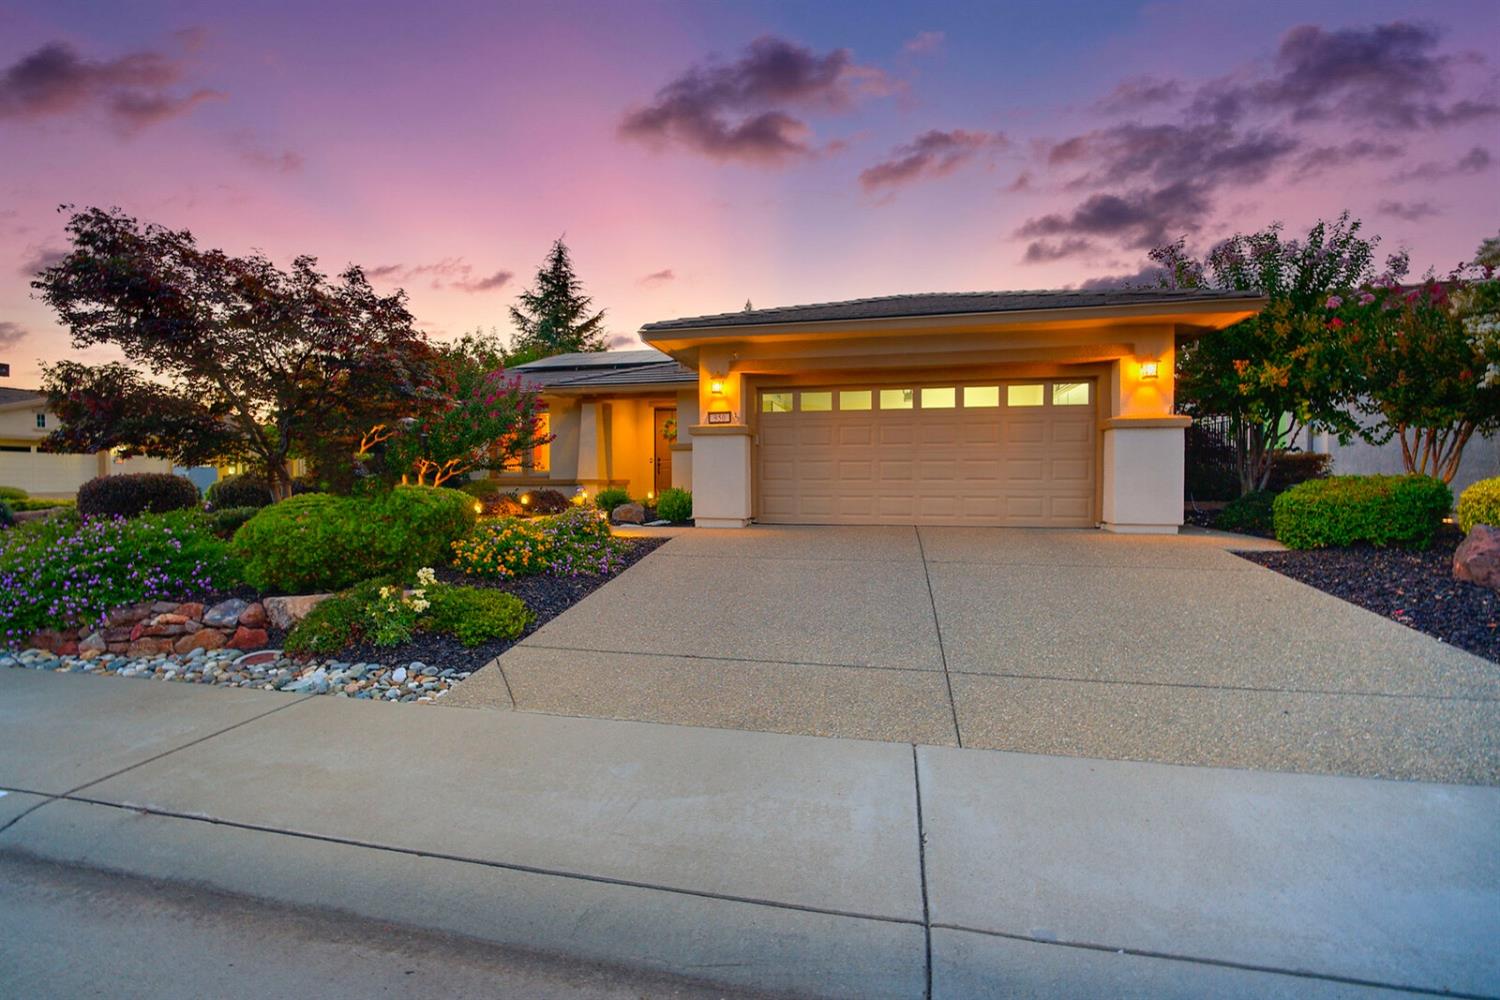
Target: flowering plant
{"x":576,"y":542}
{"x":393,"y":616}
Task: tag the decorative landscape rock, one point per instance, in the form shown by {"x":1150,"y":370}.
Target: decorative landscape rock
{"x":249,"y":638}
{"x":225,"y":614}
{"x":285,"y":612}
{"x":1477,"y":559}
{"x":629,"y":513}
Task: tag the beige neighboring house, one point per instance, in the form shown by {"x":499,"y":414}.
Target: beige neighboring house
{"x":24,"y":423}
{"x":1044,"y":409}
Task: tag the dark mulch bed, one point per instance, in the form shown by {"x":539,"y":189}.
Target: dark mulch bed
{"x":1416,"y":589}
{"x":547,"y":597}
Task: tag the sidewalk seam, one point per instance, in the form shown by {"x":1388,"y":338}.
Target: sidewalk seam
{"x":488,"y":863}
{"x":916,"y":774}
{"x":1223,"y":963}
{"x":938,"y":628}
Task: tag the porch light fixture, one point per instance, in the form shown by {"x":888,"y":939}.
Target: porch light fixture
{"x":716,"y":386}
{"x":1148,"y":369}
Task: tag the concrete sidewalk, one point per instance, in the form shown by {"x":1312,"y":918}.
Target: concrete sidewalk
{"x":779,"y":863}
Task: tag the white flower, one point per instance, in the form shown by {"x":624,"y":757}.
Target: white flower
{"x":426,"y":576}
{"x":420,"y":605}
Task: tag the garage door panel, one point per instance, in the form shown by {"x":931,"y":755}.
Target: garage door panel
{"x":949,"y":465}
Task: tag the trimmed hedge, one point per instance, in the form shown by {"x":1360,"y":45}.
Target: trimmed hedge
{"x":1480,"y":504}
{"x":13,"y":493}
{"x":1402,"y":511}
{"x":136,"y":493}
{"x":321,"y":542}
{"x":239,"y":491}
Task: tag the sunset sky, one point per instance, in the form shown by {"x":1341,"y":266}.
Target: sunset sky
{"x":696,"y":155}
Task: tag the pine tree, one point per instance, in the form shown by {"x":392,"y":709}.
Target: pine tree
{"x":552,"y":317}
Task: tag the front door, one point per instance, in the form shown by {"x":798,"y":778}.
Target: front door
{"x":666,"y":433}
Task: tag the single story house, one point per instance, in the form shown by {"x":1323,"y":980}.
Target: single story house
{"x":1046,"y":409}
{"x":24,"y":422}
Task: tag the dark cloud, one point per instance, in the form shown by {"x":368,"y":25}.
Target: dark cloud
{"x":39,"y":259}
{"x":1139,"y":93}
{"x":1207,"y":153}
{"x":739,"y":110}
{"x":286,"y":162}
{"x":931,"y":154}
{"x":450,"y":272}
{"x":924,"y":42}
{"x":1043,"y":251}
{"x":622,"y":342}
{"x":1140,"y":219}
{"x":658,"y":277}
{"x":1149,"y":276}
{"x":1021,"y":183}
{"x":11,"y":334}
{"x":1476,"y":160}
{"x":1409,"y":211}
{"x":131,"y":91}
{"x":1321,"y":158}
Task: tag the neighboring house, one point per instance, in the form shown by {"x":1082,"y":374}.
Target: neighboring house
{"x":996,"y":408}
{"x":24,"y":422}
{"x":1481,"y":457}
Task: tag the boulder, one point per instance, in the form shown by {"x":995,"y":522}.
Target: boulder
{"x":225,"y":614}
{"x":629,"y":513}
{"x":171,"y":618}
{"x":285,"y":612}
{"x":148,"y":647}
{"x":1477,"y":559}
{"x":168,"y":628}
{"x":248,"y":638}
{"x":206,"y":638}
{"x":254,"y":616}
{"x":94,"y":643}
{"x":119,"y":633}
{"x":192,"y":610}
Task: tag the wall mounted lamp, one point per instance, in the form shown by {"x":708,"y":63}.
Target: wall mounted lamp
{"x":716,"y":386}
{"x":1148,"y":369}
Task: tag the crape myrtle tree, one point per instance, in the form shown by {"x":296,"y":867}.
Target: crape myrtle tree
{"x":226,"y":357}
{"x":486,"y":419}
{"x":1428,"y":359}
{"x":554,"y":315}
{"x":1285,"y":368}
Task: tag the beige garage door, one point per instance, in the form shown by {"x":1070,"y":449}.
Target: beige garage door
{"x":998,"y":453}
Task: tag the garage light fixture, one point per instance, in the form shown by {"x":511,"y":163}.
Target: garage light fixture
{"x":716,"y":386}
{"x":1148,"y":369}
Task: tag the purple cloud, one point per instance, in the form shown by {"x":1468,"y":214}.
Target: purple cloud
{"x":931,"y":154}
{"x":1476,"y":160}
{"x":286,"y":162}
{"x":131,"y":91}
{"x":739,"y":110}
{"x":1409,"y":211}
{"x":1140,"y":219}
{"x":658,"y":277}
{"x":450,"y":272}
{"x":39,"y":259}
{"x":1139,"y":93}
{"x":11,"y":334}
{"x":1321,"y":158}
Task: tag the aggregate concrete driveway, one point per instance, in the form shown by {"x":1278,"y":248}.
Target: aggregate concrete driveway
{"x":1078,"y":643}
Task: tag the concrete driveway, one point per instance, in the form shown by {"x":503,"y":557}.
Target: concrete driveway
{"x":1058,"y":642}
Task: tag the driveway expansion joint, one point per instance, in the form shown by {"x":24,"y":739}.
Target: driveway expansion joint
{"x":1242,"y":688}
{"x":916,"y":774}
{"x":937,"y":627}
{"x":747,"y":658}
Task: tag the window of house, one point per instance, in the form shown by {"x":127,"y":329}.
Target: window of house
{"x":776,"y":402}
{"x":41,"y":421}
{"x":896,"y":399}
{"x":981,"y":395}
{"x":817,"y":402}
{"x":1070,"y":393}
{"x":939,"y":398}
{"x":1023,"y":395}
{"x":540,"y":459}
{"x":855,"y":399}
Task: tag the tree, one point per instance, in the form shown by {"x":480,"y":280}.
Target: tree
{"x":245,"y":360}
{"x":1284,"y":369}
{"x":487,"y":420}
{"x":1429,"y":361}
{"x":552,"y":317}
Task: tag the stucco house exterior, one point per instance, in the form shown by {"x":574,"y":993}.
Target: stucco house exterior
{"x":1046,"y":409}
{"x":24,"y":422}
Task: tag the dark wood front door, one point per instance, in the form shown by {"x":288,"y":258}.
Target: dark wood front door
{"x":666,"y":423}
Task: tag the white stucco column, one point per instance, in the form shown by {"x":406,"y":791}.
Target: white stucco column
{"x":1143,"y":474}
{"x":682,"y":448}
{"x":721,"y":475}
{"x":590,"y":446}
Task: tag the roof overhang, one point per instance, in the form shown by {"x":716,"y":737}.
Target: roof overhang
{"x":634,"y":389}
{"x":24,"y":404}
{"x":975,"y":331}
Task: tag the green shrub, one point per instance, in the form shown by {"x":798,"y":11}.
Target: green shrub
{"x":318,"y":541}
{"x":239,"y":491}
{"x":1480,"y":504}
{"x":136,"y":493}
{"x":545,"y":501}
{"x":581,"y":543}
{"x":483,"y":489}
{"x":675,"y":505}
{"x":611,"y":497}
{"x":1404,"y":511}
{"x":1250,"y":514}
{"x":65,"y":572}
{"x":225,"y":521}
{"x":43,"y":503}
{"x":7,"y":519}
{"x":13,"y":493}
{"x":475,"y":615}
{"x":334,"y":623}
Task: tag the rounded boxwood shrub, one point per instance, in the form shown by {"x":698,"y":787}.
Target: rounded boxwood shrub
{"x":1404,"y":511}
{"x":239,"y":491}
{"x":7,"y":519}
{"x":1249,"y":514}
{"x":1480,"y":504}
{"x":13,"y":493}
{"x":675,"y":505}
{"x":321,"y":542}
{"x":136,"y":493}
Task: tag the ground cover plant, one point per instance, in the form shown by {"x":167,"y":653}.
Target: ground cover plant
{"x":675,"y":505}
{"x":66,"y":571}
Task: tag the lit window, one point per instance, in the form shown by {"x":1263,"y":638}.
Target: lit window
{"x":944,"y":398}
{"x":41,"y":421}
{"x":817,"y":402}
{"x":1070,"y":393}
{"x":854,"y":399}
{"x":896,"y":399}
{"x":776,"y":402}
{"x":1023,"y":395}
{"x":981,"y":395}
{"x":541,"y":455}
